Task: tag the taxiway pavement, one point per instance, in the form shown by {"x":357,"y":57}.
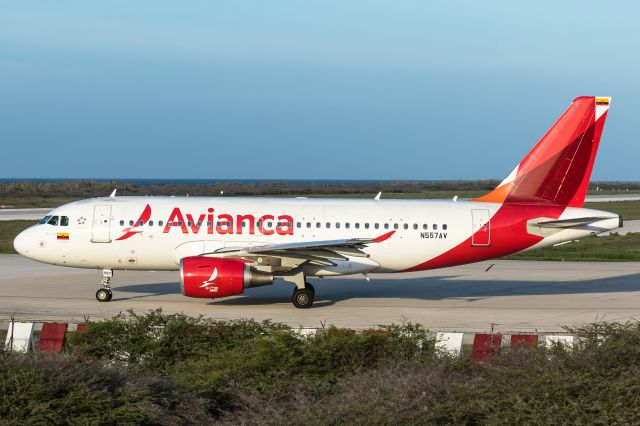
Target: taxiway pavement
{"x":514,"y":295}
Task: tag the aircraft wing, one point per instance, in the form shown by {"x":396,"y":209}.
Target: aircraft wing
{"x":315,"y":252}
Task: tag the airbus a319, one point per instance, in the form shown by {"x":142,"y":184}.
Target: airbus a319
{"x":222,"y":246}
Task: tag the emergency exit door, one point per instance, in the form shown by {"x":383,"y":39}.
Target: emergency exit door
{"x":481,"y":228}
{"x":101,"y":224}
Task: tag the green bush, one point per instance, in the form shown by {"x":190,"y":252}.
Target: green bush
{"x":595,"y":382}
{"x":222,"y":361}
{"x":50,"y":389}
{"x":174,"y":369}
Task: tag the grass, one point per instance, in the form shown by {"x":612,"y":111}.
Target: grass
{"x":614,"y":248}
{"x":629,"y":210}
{"x":8,"y":231}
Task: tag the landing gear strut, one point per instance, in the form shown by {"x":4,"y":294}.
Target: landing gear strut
{"x":104,"y":294}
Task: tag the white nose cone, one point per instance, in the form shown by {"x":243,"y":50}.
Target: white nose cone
{"x":21,"y":244}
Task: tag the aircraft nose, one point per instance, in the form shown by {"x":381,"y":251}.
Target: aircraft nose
{"x":21,"y":243}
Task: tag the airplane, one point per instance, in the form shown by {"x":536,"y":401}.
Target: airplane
{"x":222,"y":246}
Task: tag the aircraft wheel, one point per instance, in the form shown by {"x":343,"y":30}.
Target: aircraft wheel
{"x":103,"y":295}
{"x":302,"y":298}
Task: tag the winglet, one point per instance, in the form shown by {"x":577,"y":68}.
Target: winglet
{"x":113,"y":194}
{"x":383,"y":237}
{"x":377,"y":197}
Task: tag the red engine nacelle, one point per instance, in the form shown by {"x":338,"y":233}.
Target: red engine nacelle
{"x":212,"y":277}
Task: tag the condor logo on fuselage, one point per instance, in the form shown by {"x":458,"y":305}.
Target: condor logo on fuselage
{"x":222,"y":224}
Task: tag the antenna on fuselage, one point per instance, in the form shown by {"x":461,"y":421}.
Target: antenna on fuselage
{"x":377,"y":198}
{"x":113,"y":194}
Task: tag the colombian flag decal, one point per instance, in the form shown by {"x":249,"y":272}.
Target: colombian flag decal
{"x":602,"y":101}
{"x":62,"y":235}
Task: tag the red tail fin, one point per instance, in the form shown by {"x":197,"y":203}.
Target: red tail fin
{"x":558,"y":168}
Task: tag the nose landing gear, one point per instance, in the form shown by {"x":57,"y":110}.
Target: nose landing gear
{"x":104,"y":294}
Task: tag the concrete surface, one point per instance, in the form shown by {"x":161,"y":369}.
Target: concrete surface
{"x":609,"y":198}
{"x":23,"y":214}
{"x":628,"y":227}
{"x":515,"y":295}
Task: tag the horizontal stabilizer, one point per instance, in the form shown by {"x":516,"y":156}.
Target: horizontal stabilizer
{"x":570,"y":223}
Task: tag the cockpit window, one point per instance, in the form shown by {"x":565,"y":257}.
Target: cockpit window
{"x":54,"y":220}
{"x":44,"y":220}
{"x":64,"y":221}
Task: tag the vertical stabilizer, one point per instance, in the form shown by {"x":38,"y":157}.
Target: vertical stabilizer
{"x":558,"y":169}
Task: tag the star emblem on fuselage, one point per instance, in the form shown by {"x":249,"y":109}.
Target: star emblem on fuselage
{"x":82,"y":220}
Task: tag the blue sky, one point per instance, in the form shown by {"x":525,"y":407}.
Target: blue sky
{"x":307,"y":90}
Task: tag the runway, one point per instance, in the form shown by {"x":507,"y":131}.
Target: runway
{"x":514,"y":295}
{"x":23,"y":214}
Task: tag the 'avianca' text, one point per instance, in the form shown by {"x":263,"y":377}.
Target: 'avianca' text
{"x":267,"y":224}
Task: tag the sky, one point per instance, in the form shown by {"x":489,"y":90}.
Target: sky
{"x":333,"y":89}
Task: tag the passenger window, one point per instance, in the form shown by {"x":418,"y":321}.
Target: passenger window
{"x":64,"y":221}
{"x":208,"y":224}
{"x":357,"y":225}
{"x":189,"y":223}
{"x":140,"y":223}
{"x":122,"y":223}
{"x":328,"y":225}
{"x":425,"y":226}
{"x":337,"y":225}
{"x":386,"y":226}
{"x":395,"y":226}
{"x":406,"y":226}
{"x":160,"y":223}
{"x":150,"y":223}
{"x":289,"y":225}
{"x":130,"y":223}
{"x":318,"y":225}
{"x":376,"y":226}
{"x":180,"y":223}
{"x":199,"y":223}
{"x":53,"y":221}
{"x":444,"y":227}
{"x":259,"y":224}
{"x":308,"y":224}
{"x":346,"y":225}
{"x":415,"y":226}
{"x":435,"y":226}
{"x":298,"y":225}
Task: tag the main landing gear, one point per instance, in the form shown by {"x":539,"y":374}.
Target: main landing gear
{"x":303,"y":297}
{"x":104,"y":294}
{"x":303,"y":293}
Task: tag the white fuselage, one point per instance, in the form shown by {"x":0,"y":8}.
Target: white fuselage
{"x":110,"y":233}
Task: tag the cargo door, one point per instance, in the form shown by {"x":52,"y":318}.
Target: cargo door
{"x":101,"y":223}
{"x":481,"y":228}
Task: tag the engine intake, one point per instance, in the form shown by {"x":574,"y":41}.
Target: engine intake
{"x":211,"y":277}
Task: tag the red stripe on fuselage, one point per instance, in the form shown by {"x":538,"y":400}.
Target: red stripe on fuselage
{"x":508,"y":235}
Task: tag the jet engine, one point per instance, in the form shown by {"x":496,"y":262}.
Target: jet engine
{"x":212,"y":277}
